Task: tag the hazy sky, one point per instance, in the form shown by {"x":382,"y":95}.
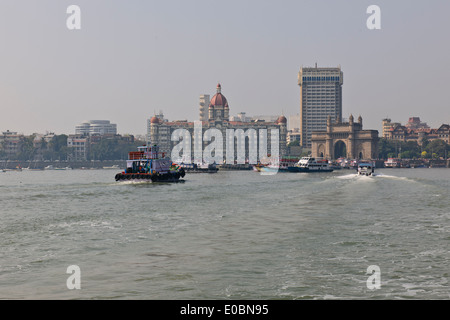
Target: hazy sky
{"x":132,"y":58}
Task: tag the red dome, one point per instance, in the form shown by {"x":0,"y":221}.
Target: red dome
{"x":219,"y":100}
{"x":154,"y":120}
{"x":282,"y":119}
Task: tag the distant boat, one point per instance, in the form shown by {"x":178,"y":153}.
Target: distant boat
{"x":51,"y":167}
{"x":392,"y":163}
{"x":310,"y":164}
{"x":365,"y":169}
{"x":112,"y":167}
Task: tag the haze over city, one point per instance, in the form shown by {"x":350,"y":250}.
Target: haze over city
{"x":132,"y":59}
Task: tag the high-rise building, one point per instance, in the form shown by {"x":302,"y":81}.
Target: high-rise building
{"x":203,"y":106}
{"x":320,"y":97}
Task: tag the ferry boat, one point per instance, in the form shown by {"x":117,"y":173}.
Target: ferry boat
{"x":148,"y":164}
{"x":392,"y":163}
{"x":310,"y":164}
{"x":365,"y":168}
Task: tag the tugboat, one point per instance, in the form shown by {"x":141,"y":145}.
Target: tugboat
{"x":310,"y":164}
{"x":365,"y":169}
{"x":147,"y":164}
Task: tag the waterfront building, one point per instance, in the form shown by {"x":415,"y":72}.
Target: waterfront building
{"x":345,"y":139}
{"x":414,"y":130}
{"x":218,"y":118}
{"x":96,"y":127}
{"x":404,"y":134}
{"x":387,"y":125}
{"x":320,"y":98}
{"x":443,"y":133}
{"x":41,"y":144}
{"x":10,"y":142}
{"x":79,"y":145}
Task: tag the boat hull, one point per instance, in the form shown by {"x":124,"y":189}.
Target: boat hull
{"x":202,"y":170}
{"x":147,"y":177}
{"x":300,"y":169}
{"x":273,"y":169}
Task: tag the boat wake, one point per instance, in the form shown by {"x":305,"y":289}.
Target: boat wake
{"x":349,"y":176}
{"x":381,"y":175}
{"x":374,"y":175}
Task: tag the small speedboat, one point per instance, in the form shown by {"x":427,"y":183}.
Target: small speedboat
{"x":365,"y":169}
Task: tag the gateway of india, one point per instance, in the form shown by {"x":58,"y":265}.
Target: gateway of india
{"x":345,"y":139}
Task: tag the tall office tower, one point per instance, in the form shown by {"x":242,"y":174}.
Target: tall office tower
{"x":320,"y":97}
{"x":203,"y":106}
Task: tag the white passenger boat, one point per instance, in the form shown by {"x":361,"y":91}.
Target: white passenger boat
{"x":310,"y":164}
{"x":392,"y":163}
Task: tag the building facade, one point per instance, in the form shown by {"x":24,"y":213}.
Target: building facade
{"x":414,"y":123}
{"x":387,"y":125}
{"x":10,"y":143}
{"x":345,"y":139}
{"x":161,"y":131}
{"x":414,"y":130}
{"x":320,"y":98}
{"x":405,"y":134}
{"x":293,"y":135}
{"x":79,"y":146}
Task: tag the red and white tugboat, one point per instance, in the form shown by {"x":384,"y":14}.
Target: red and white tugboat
{"x":147,"y":164}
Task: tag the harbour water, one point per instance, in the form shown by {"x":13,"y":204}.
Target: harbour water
{"x":229,"y":235}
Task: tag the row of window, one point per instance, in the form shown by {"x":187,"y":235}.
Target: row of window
{"x":322,"y":78}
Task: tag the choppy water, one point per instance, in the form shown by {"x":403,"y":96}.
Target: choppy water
{"x":230,"y":235}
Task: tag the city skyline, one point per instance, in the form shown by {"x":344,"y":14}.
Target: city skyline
{"x":130,"y":60}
